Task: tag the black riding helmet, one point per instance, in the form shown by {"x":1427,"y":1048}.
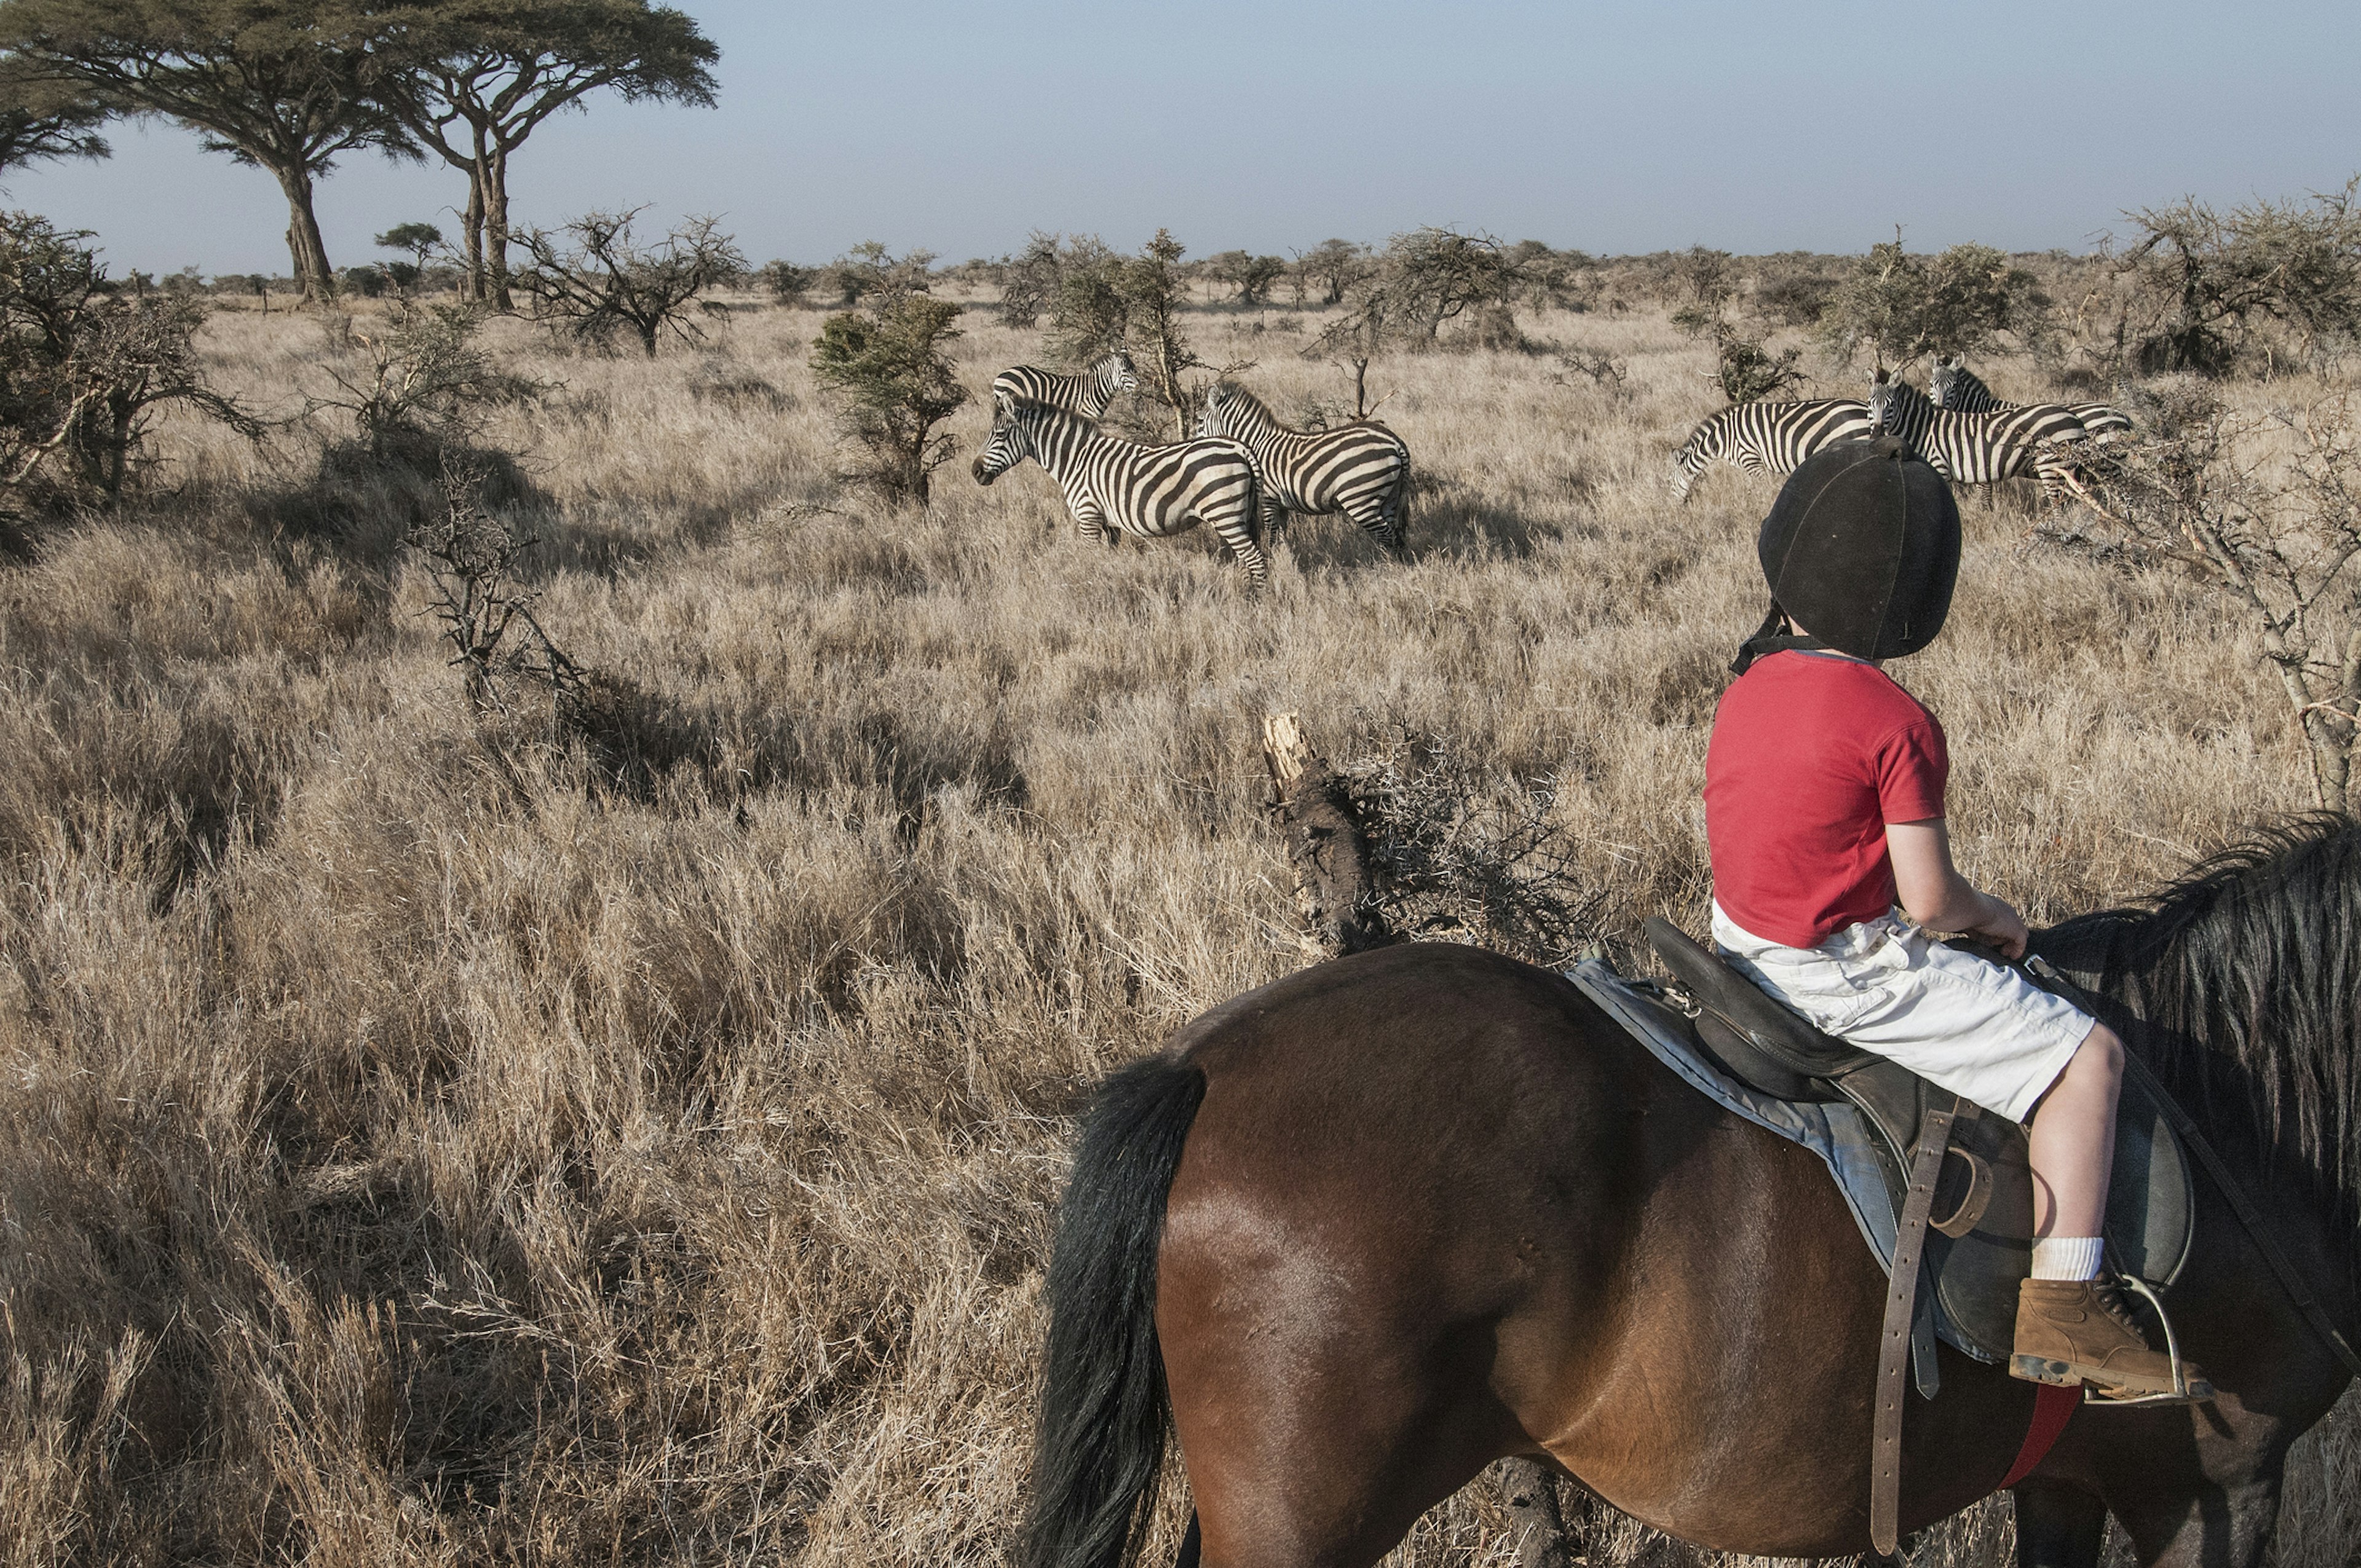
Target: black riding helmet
{"x":1861,"y":549}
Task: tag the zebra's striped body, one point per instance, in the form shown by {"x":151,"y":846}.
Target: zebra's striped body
{"x":1360,"y":469}
{"x":1114,"y":487}
{"x":1768,"y":437}
{"x":1955,"y":386}
{"x":1088,"y":394}
{"x":1978,"y":449}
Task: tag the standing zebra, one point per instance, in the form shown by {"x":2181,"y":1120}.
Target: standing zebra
{"x":1954,"y":386}
{"x":1767,"y":437}
{"x":1978,"y":449}
{"x":1110,"y":484}
{"x":1361,"y":469}
{"x":1087,"y":394}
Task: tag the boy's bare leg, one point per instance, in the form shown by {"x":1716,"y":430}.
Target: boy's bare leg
{"x":2070,"y":1326}
{"x":2073,"y":1139}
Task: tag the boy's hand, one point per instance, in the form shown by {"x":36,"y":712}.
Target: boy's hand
{"x":2003,"y":925}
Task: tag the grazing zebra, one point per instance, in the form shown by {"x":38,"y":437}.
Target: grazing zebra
{"x":1978,"y":449}
{"x":1110,"y":484}
{"x":1087,"y":394}
{"x":1361,"y":469}
{"x":1768,"y":437}
{"x":1954,"y":386}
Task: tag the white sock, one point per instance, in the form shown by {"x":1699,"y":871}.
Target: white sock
{"x":2067,"y":1257}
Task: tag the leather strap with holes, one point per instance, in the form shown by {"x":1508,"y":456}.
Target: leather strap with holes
{"x":1894,"y":1346}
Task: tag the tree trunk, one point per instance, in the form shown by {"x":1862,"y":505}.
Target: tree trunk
{"x":473,"y":289}
{"x":303,"y":242}
{"x":1334,"y":890}
{"x":496,"y":229}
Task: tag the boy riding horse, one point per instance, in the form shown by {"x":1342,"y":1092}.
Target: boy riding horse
{"x":1831,"y":864}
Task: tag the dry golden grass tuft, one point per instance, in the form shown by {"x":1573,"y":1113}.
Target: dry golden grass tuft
{"x":404,"y":1168}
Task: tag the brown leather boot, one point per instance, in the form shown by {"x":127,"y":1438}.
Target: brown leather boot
{"x":2072,"y":1332}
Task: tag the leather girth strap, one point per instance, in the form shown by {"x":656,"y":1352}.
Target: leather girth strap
{"x":1894,"y":1345}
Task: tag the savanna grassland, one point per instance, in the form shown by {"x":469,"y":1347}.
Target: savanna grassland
{"x":435,"y":1141}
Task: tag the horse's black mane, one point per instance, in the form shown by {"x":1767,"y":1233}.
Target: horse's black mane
{"x":2240,"y":985}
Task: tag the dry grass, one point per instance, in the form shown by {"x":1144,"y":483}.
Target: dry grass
{"x":408,"y":1168}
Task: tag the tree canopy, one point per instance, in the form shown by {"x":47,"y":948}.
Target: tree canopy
{"x":280,"y":84}
{"x":41,"y":119}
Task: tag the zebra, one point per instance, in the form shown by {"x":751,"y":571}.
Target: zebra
{"x":1360,"y":469}
{"x":1978,"y":449}
{"x":1954,"y":386}
{"x":1768,"y":437}
{"x":1114,"y":487}
{"x":1087,"y":394}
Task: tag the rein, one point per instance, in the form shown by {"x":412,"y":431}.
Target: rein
{"x":2249,"y":1215}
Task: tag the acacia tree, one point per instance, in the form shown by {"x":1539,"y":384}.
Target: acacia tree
{"x":1336,"y":266}
{"x":596,"y":277}
{"x":280,"y":84}
{"x":471,"y":79}
{"x":421,"y":240}
{"x":1251,"y":275}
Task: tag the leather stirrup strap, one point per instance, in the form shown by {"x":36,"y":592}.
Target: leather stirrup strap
{"x":1894,"y":1345}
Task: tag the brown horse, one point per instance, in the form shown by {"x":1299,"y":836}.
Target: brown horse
{"x":1357,"y":1235}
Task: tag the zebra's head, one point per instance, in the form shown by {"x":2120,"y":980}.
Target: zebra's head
{"x":1898,"y":408}
{"x":1118,"y":374}
{"x":1688,"y":463}
{"x":1881,"y":399}
{"x":1008,"y":446}
{"x":1943,"y":382}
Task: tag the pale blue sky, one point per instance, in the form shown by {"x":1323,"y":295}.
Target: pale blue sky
{"x":1615,"y":128}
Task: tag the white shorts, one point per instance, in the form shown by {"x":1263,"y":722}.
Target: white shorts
{"x":1974,"y":1027}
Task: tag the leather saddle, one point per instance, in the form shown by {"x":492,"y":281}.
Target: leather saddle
{"x":1980,"y":1225}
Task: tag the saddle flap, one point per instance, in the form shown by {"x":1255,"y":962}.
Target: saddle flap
{"x":1761,"y":1023}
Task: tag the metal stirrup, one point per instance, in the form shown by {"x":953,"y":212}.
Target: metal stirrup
{"x":2180,"y":1394}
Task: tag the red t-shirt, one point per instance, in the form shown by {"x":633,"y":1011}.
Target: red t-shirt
{"x":1812,"y":755}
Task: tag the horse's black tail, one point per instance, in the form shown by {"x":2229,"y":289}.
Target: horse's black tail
{"x":1099,"y":1449}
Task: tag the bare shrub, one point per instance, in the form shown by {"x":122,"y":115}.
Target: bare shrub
{"x":473,"y":557}
{"x":2277,"y":532}
{"x":1603,"y":371}
{"x":426,"y":384}
{"x":593,"y":276}
{"x":82,"y":371}
{"x":1460,"y":853}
